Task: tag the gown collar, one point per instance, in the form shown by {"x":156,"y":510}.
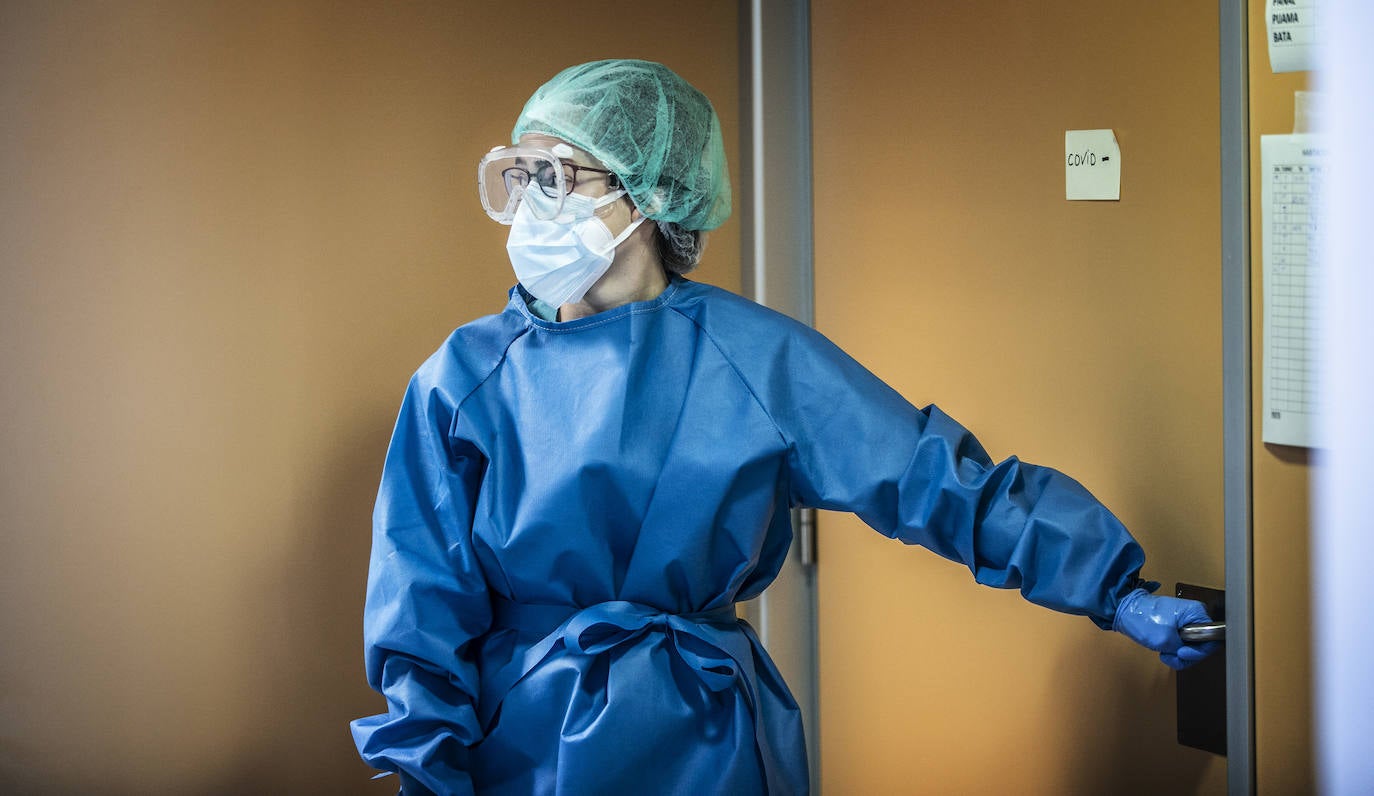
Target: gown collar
{"x":520,"y":300}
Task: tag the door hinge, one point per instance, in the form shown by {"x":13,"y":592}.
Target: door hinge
{"x":806,"y":536}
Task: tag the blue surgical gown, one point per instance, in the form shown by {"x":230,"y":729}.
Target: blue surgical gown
{"x":569,"y":512}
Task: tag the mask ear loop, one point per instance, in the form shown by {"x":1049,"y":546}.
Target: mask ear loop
{"x":619,"y":239}
{"x":609,"y":199}
{"x":619,"y":192}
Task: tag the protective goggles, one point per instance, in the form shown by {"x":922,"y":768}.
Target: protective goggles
{"x":507,"y":172}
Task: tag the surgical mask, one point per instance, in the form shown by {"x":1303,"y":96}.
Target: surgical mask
{"x":559,"y":259}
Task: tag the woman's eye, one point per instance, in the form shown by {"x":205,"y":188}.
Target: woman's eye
{"x":546,"y":176}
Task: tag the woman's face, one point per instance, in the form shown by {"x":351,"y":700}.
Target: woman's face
{"x":616,"y":215}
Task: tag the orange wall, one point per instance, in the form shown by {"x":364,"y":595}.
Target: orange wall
{"x":1082,"y":335}
{"x":230,"y":231}
{"x":1282,"y":642}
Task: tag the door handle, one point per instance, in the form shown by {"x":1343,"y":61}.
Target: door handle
{"x":1203,"y":631}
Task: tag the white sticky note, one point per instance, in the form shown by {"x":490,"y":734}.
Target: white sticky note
{"x":1092,"y":165}
{"x":1292,"y":29}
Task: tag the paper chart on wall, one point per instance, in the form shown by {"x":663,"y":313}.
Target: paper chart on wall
{"x":1291,"y":170}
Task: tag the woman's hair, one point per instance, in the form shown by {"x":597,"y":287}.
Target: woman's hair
{"x":679,"y":249}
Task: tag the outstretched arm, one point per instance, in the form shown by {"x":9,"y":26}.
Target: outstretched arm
{"x":917,"y":475}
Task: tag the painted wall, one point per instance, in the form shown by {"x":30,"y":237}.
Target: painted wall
{"x":1085,"y":336}
{"x":1282,"y":526}
{"x":229,"y":232}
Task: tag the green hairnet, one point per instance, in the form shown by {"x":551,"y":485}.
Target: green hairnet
{"x":659,"y":135}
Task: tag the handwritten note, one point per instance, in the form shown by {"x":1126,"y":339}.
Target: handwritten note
{"x":1292,"y":28}
{"x":1092,"y":165}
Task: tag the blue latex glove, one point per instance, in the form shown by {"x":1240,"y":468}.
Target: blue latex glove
{"x":1153,"y":621}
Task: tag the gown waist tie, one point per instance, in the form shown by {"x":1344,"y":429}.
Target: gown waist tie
{"x":712,"y":643}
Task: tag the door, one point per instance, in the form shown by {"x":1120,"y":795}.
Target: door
{"x":1082,"y":335}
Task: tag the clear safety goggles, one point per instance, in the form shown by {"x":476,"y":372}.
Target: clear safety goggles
{"x":507,"y":172}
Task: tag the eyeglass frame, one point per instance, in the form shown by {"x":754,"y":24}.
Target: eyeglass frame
{"x":570,"y":186}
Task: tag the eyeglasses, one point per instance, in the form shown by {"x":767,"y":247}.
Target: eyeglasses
{"x":505,"y":173}
{"x":543,"y":175}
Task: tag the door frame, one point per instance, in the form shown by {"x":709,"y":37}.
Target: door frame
{"x":778,"y":271}
{"x":1236,"y":394}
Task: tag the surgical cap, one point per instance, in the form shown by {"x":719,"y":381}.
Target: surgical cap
{"x":659,"y":135}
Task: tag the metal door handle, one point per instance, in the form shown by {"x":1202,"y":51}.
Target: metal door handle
{"x":1205,"y":631}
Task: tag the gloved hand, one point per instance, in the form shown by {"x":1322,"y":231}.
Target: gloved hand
{"x":1153,"y":621}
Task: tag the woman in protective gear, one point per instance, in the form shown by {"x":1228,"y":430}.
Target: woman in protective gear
{"x":580,"y":488}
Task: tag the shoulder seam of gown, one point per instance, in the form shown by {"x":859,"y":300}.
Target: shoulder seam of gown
{"x":739,"y":373}
{"x":495,"y":365}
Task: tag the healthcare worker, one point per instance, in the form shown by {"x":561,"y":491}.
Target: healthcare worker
{"x":580,"y":488}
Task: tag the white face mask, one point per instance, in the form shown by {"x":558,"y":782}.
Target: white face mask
{"x":559,"y":260}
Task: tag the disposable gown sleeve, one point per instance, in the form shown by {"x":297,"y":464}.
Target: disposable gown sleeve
{"x":856,"y":445}
{"x":426,"y":599}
